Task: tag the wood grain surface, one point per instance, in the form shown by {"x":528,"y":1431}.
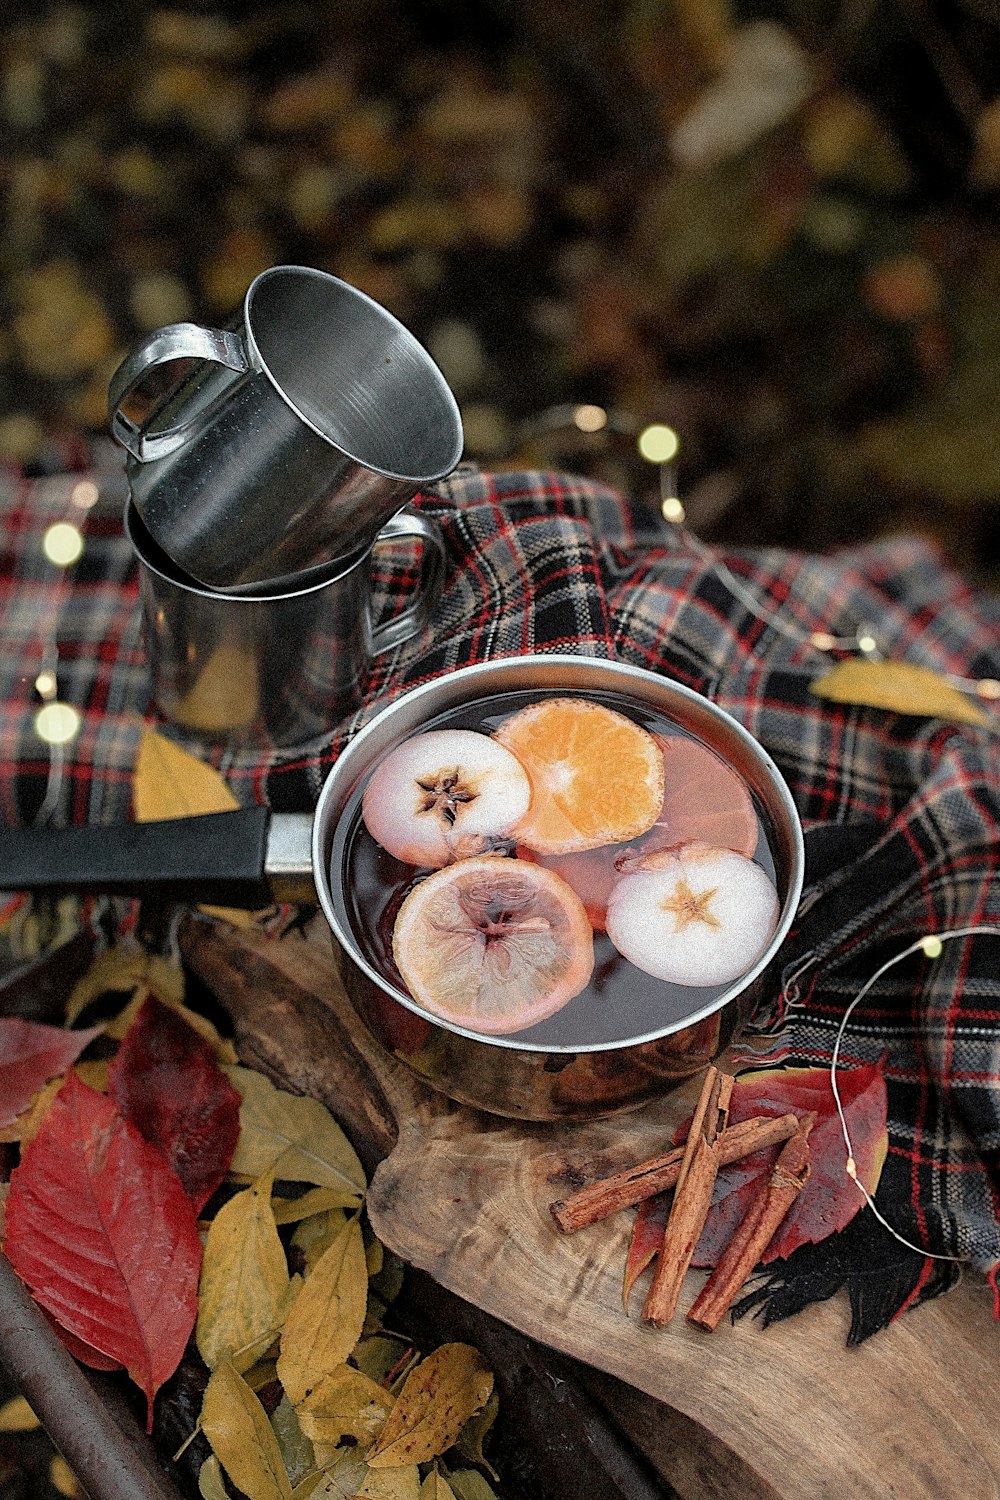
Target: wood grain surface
{"x":789,"y":1411}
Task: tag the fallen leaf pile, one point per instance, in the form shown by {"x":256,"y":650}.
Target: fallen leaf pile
{"x":280,"y":1283}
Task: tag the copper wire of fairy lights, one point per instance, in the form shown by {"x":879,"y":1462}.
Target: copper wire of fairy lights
{"x":930,"y":945}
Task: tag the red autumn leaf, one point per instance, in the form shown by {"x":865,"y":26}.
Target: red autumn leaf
{"x":165,"y":1079}
{"x":647,"y":1237}
{"x":104,"y":1235}
{"x":31,"y":1054}
{"x":829,"y":1200}
{"x":79,"y":1350}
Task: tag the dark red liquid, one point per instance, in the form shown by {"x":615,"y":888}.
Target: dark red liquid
{"x":621,"y":1002}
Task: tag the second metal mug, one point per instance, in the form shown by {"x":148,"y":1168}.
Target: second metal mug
{"x":292,"y":440}
{"x":275,"y":669}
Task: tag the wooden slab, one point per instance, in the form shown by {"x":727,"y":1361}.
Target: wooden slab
{"x":789,"y":1412}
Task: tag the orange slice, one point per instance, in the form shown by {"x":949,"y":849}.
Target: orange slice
{"x":704,"y":800}
{"x":596,"y":777}
{"x":493,"y":944}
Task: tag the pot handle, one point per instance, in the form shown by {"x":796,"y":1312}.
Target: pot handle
{"x":402,"y":627}
{"x":217,"y":858}
{"x":175,"y":341}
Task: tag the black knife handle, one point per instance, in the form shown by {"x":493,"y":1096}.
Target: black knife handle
{"x":217,"y":858}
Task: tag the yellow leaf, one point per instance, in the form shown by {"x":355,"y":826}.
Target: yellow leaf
{"x":236,"y":1425}
{"x":329,"y":1313}
{"x":308,"y":1487}
{"x":439,"y":1397}
{"x":350,"y":1475}
{"x":345,"y":1404}
{"x":261,"y":1374}
{"x":170,"y":782}
{"x":298,"y":1130}
{"x":374,"y":1256}
{"x":16,"y":1416}
{"x":94,"y":1073}
{"x":900,"y":687}
{"x":316,"y":1201}
{"x":391,"y":1484}
{"x":29,"y":1122}
{"x":315,"y":1236}
{"x":62,"y":1478}
{"x":211,"y":1485}
{"x":244,"y":1280}
{"x":125,"y":971}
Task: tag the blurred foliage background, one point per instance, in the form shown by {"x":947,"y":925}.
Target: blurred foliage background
{"x":771,"y":226}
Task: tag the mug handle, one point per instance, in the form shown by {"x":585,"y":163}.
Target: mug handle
{"x":175,"y":341}
{"x":402,"y":627}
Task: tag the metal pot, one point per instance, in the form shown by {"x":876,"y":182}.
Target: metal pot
{"x":522,"y":1077}
{"x":246,"y":857}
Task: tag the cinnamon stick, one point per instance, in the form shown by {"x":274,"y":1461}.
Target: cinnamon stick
{"x":631,"y":1185}
{"x":692,"y":1199}
{"x":755,"y":1230}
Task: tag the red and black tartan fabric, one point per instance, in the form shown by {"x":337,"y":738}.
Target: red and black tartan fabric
{"x":902,"y":814}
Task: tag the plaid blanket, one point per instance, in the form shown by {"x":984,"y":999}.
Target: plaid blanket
{"x":901,"y":813}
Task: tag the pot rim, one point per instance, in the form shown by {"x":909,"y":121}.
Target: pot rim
{"x":344,"y":779}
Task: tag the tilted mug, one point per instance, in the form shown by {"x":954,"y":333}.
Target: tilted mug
{"x":294,"y":437}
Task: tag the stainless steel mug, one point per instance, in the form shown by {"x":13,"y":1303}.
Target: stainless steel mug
{"x":293,"y":439}
{"x":271,"y":669}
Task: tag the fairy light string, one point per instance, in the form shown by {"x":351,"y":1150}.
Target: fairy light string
{"x":864,"y":640}
{"x":659,"y":445}
{"x":931,"y":945}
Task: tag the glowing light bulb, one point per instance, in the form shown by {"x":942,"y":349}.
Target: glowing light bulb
{"x":62,"y":543}
{"x":85,"y":494}
{"x":672,"y":509}
{"x":932,"y":946}
{"x":658,"y":444}
{"x":45,"y":684}
{"x":590,"y":418}
{"x":58,"y":723}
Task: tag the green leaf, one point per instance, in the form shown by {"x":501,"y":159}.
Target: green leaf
{"x":436,"y":1487}
{"x":211,"y":1485}
{"x":469,"y":1484}
{"x":470,"y":1439}
{"x":296,"y":1448}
